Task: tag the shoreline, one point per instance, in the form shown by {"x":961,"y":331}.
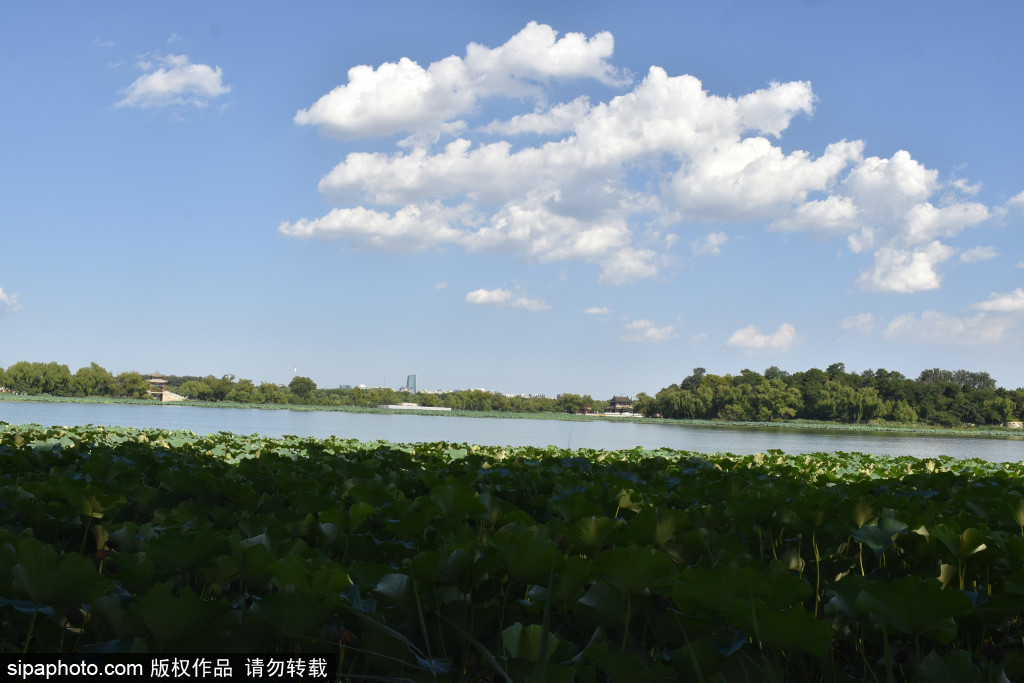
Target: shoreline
{"x":803,"y":425}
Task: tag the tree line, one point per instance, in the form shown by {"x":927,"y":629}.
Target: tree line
{"x":55,"y":379}
{"x":935,"y":397}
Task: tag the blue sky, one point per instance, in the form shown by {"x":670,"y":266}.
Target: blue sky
{"x":532,"y":197}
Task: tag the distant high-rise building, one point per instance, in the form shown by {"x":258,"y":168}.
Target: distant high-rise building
{"x":410,"y":383}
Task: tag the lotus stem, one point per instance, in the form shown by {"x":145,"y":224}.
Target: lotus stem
{"x":817,"y":571}
{"x":31,"y":628}
{"x":625,"y":626}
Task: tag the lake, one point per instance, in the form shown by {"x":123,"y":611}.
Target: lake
{"x":599,"y":434}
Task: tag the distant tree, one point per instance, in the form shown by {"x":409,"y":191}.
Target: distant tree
{"x":773,"y":400}
{"x":93,"y":381}
{"x":244,"y":391}
{"x":272,"y":393}
{"x":220,"y":388}
{"x":197,"y":389}
{"x":645,"y":405}
{"x":131,"y":385}
{"x":56,"y":379}
{"x":21,"y":377}
{"x":902,"y":412}
{"x":749,"y":377}
{"x":573,"y":403}
{"x":975,"y":381}
{"x":302,"y":387}
{"x":935,"y":376}
{"x":694,"y":380}
{"x":39,"y":378}
{"x":836,"y":371}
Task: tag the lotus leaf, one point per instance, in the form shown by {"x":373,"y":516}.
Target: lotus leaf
{"x":527,"y":552}
{"x":53,"y":580}
{"x":915,"y":607}
{"x":955,"y":666}
{"x":635,"y":570}
{"x":294,"y":615}
{"x":591,"y":534}
{"x":879,"y":536}
{"x":793,"y":628}
{"x":525,"y":642}
{"x":182,"y":622}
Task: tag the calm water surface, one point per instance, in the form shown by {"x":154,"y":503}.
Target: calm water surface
{"x":507,"y":432}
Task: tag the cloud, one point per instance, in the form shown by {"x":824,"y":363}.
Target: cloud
{"x":558,"y":119}
{"x":1014,"y":301}
{"x":933,"y":327}
{"x":978,"y":254}
{"x":8,"y":301}
{"x":906,"y":271}
{"x":965,"y":187}
{"x":412,"y":228}
{"x":710,"y":243}
{"x":441,"y":285}
{"x":173,"y":80}
{"x":1017,"y":201}
{"x":862,"y":322}
{"x":751,"y":338}
{"x":505,"y":298}
{"x":403,"y":96}
{"x":831,"y":215}
{"x":585,"y":178}
{"x":925,"y":222}
{"x":885,"y":206}
{"x":598,"y":310}
{"x":647,"y":330}
{"x":892,"y":186}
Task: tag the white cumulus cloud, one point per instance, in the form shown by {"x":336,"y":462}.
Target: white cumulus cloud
{"x":174,"y":80}
{"x":8,"y":301}
{"x":933,"y":327}
{"x":1014,"y":301}
{"x":598,"y":310}
{"x":557,"y":119}
{"x":978,"y":254}
{"x":751,"y":338}
{"x":861,"y":322}
{"x":906,"y":270}
{"x":403,"y":96}
{"x":647,"y":330}
{"x":409,"y":229}
{"x":586,"y":179}
{"x":505,"y":298}
{"x":710,"y":243}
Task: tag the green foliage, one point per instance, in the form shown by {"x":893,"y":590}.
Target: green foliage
{"x":458,"y":562}
{"x":952,"y":399}
{"x":937,"y":397}
{"x":302,"y":387}
{"x":131,"y":385}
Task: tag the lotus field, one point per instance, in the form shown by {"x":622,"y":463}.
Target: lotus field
{"x":444,"y":562}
